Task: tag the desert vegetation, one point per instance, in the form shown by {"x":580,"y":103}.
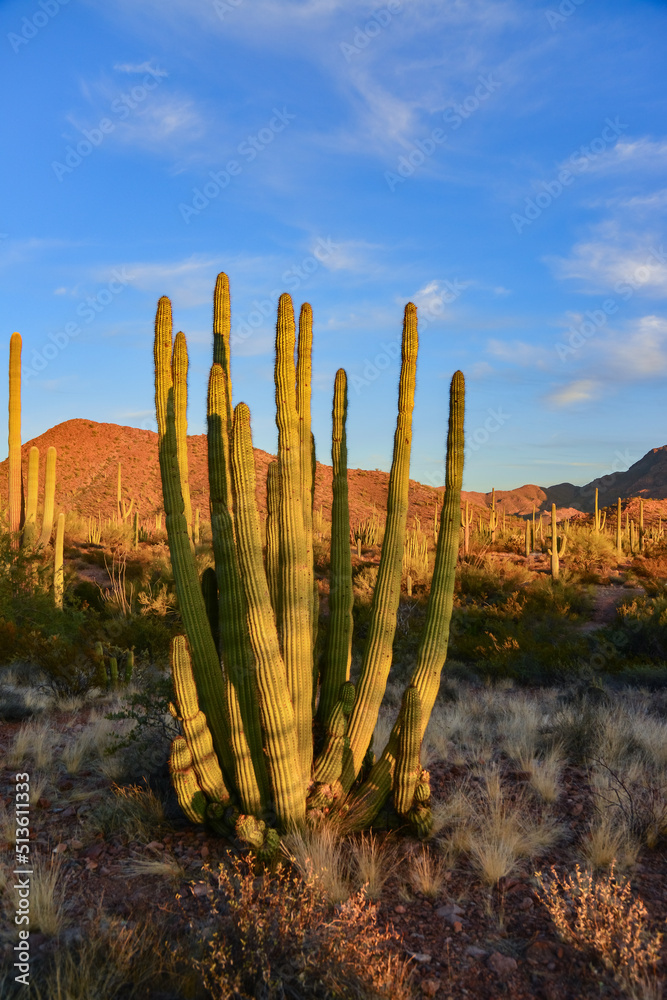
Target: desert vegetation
{"x":435,"y":762}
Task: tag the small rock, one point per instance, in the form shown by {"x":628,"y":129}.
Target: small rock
{"x":155,"y":845}
{"x":91,"y":865}
{"x":458,"y":926}
{"x":451,"y":913}
{"x":59,"y":849}
{"x":503,"y":965}
{"x":577,"y":809}
{"x":399,"y":909}
{"x":76,"y":845}
{"x":430,"y":987}
{"x":94,"y":851}
{"x":68,"y":813}
{"x":200,"y":889}
{"x":476,"y":952}
{"x":539,"y":952}
{"x":204,"y":851}
{"x":420,"y":956}
{"x":526,"y":903}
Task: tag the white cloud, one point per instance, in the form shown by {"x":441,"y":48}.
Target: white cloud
{"x":616,"y":260}
{"x":638,"y":353}
{"x":580,"y":391}
{"x":638,"y":154}
{"x":519,"y":353}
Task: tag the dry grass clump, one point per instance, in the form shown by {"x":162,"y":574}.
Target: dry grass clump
{"x":164,"y":867}
{"x":317,"y":853}
{"x":599,"y":917}
{"x":498,"y":833}
{"x":373,"y":862}
{"x":47,"y":896}
{"x":33,"y":744}
{"x":134,"y":811}
{"x":112,"y":960}
{"x":279,"y":936}
{"x":427,"y":873}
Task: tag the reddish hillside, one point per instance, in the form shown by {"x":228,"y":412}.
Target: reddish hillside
{"x":88,"y":456}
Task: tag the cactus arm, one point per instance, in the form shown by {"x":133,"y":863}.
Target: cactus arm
{"x":408,"y":768}
{"x":432,"y":652}
{"x":619,"y":530}
{"x":306,"y":447}
{"x":206,"y":664}
{"x":58,"y":579}
{"x":329,"y":765}
{"x":195,"y":729}
{"x":553,"y":551}
{"x":191,"y":799}
{"x":341,"y":597}
{"x":49,"y":497}
{"x":378,"y":651}
{"x":239,"y":667}
{"x":30,"y":526}
{"x":179,"y":366}
{"x":209,"y":589}
{"x":296,"y":580}
{"x":276,"y":708}
{"x":15,"y":475}
{"x":222,"y":321}
{"x":119,"y":494}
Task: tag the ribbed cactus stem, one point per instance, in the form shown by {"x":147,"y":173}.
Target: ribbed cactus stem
{"x":306,"y":442}
{"x":30,"y":526}
{"x":408,"y":767}
{"x":119,"y":493}
{"x":49,"y":497}
{"x":58,"y":576}
{"x":179,"y":366}
{"x":135,"y":531}
{"x":129,"y":666}
{"x":273,"y":536}
{"x":553,"y":551}
{"x":206,"y":664}
{"x":240,"y":690}
{"x":190,"y":796}
{"x":296,"y":591}
{"x":527,"y":539}
{"x":209,"y":589}
{"x":15,"y":477}
{"x":619,"y":530}
{"x":221,"y":333}
{"x":276,"y":707}
{"x":432,"y":651}
{"x":329,"y":765}
{"x":378,"y":652}
{"x":195,"y":728}
{"x":341,"y":597}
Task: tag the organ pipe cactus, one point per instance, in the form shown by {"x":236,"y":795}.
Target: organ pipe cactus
{"x":250,"y":759}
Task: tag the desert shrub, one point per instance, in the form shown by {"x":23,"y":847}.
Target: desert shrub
{"x":641,"y":628}
{"x":277,"y":936}
{"x":600,"y":918}
{"x":589,"y":553}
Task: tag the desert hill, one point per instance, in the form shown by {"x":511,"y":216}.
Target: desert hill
{"x":89,"y":452}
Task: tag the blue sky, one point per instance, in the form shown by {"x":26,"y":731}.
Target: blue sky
{"x":499,"y":162}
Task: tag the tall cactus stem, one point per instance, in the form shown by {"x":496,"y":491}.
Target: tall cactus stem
{"x":179,"y":366}
{"x":378,"y":652}
{"x":296,"y":591}
{"x":15,"y":476}
{"x":206,"y":664}
{"x":30,"y":526}
{"x":58,"y":577}
{"x":49,"y":497}
{"x":336,"y":670}
{"x":276,"y":708}
{"x":408,"y":767}
{"x":273,"y":536}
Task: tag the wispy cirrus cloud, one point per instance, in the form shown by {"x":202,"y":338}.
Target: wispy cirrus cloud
{"x":613,"y":258}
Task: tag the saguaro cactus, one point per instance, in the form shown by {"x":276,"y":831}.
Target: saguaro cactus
{"x":558,"y":546}
{"x":58,"y":576}
{"x":15,"y":478}
{"x":619,"y":531}
{"x":258,"y":696}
